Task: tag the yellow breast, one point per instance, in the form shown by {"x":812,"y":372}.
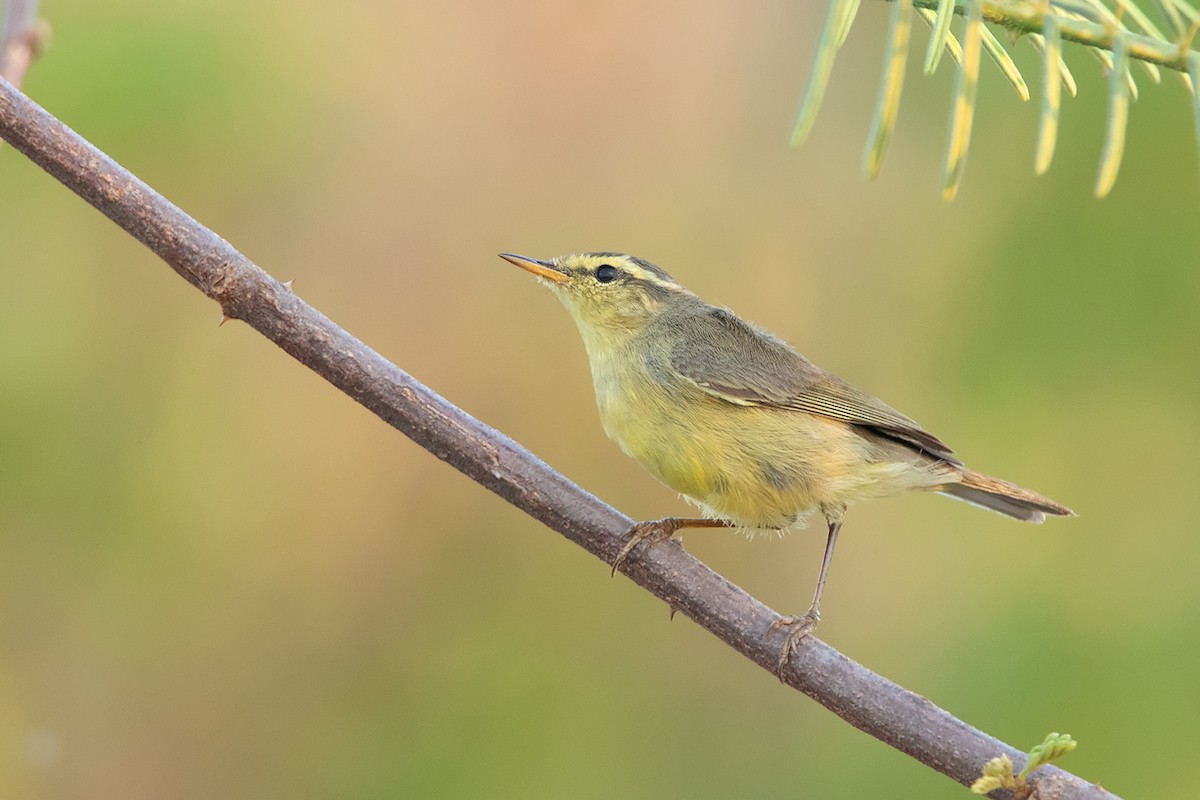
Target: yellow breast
{"x":760,"y":468}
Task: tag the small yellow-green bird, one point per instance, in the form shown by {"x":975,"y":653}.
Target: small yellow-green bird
{"x":740,"y":423}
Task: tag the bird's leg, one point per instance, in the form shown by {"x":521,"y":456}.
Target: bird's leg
{"x":659,"y":530}
{"x":803,"y":625}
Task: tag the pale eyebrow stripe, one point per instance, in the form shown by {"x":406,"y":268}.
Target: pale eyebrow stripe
{"x":646,"y":275}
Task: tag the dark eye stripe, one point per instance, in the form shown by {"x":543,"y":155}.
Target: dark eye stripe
{"x":607,"y":273}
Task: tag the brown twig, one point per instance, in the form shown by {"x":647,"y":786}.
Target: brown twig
{"x":245,"y":292}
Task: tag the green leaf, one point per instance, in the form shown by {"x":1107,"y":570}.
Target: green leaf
{"x":1054,"y":746}
{"x":886,"y":108}
{"x":1004,"y":61}
{"x":1171,"y":12}
{"x":1194,"y":73}
{"x":1106,"y":58}
{"x":849,"y":11}
{"x":940,"y":36}
{"x":1051,"y":96}
{"x":952,"y":45}
{"x":963,"y":113}
{"x":837,"y":25}
{"x":1118,"y":117}
{"x":997,"y":774}
{"x":1064,"y":73}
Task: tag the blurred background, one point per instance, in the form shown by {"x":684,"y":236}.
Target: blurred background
{"x":221,"y":577}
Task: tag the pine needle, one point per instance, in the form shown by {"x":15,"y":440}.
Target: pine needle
{"x":837,"y":25}
{"x":1051,"y":96}
{"x":1118,"y":117}
{"x":963,"y":112}
{"x":941,"y":33}
{"x":952,"y":45}
{"x":890,"y":86}
{"x":1194,"y":73}
{"x":1064,"y":72}
{"x":1004,"y":61}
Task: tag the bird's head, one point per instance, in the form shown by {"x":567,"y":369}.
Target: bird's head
{"x":608,"y":294}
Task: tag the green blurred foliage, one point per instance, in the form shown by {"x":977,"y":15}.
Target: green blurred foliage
{"x":219,"y":577}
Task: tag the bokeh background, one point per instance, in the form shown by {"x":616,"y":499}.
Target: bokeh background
{"x":219,"y":577}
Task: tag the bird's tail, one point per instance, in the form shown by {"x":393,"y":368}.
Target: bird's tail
{"x":1004,"y":498}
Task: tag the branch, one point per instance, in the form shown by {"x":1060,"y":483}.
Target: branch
{"x":245,"y":292}
{"x":1089,"y":24}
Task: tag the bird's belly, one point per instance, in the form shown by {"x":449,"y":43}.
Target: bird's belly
{"x":759,"y":468}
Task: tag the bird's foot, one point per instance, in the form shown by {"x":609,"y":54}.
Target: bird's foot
{"x":798,"y":628}
{"x":651,"y":531}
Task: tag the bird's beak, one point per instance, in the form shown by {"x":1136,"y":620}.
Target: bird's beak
{"x":543,"y":269}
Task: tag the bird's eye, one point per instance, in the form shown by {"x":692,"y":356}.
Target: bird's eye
{"x":607,"y":273}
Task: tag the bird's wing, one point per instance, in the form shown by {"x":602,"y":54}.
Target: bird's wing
{"x":768,"y":372}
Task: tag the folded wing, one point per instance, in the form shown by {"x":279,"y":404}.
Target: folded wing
{"x":769,"y":372}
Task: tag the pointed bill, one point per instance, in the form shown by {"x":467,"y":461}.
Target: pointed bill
{"x":542,"y":269}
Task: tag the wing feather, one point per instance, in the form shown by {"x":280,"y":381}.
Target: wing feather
{"x":771,"y":373}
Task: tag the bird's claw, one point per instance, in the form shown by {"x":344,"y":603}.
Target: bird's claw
{"x":651,"y":531}
{"x":799,"y":627}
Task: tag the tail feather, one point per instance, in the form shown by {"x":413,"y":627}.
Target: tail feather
{"x":1004,"y":498}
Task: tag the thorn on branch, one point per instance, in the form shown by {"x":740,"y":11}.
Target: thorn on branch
{"x":20,"y":48}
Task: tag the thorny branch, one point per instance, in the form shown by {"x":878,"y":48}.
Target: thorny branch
{"x":245,"y":292}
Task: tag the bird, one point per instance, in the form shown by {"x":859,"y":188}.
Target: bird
{"x":740,"y":423}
